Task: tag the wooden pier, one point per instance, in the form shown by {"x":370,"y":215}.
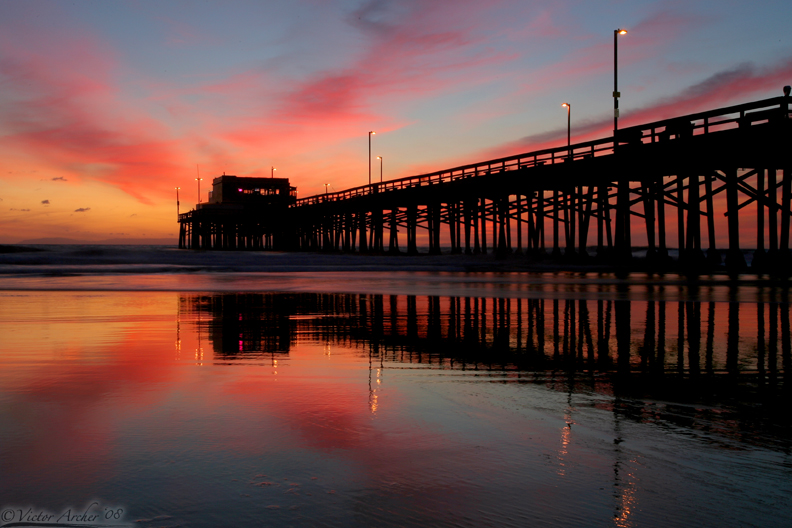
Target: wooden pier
{"x":568,"y":203}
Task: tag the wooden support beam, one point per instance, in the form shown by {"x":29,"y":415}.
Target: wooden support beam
{"x":693,"y":246}
{"x":468,"y":216}
{"x":452,"y":226}
{"x":555,"y":216}
{"x":786,"y":198}
{"x":483,"y":219}
{"x":475,"y":212}
{"x":759,"y":260}
{"x":412,"y":232}
{"x":362,"y":235}
{"x":680,"y":204}
{"x":735,"y":261}
{"x":659,"y":191}
{"x":623,"y":243}
{"x":500,"y":211}
{"x":393,"y":241}
{"x":585,"y":219}
{"x":772,"y":215}
{"x":649,"y":219}
{"x":519,"y":200}
{"x":713,"y":256}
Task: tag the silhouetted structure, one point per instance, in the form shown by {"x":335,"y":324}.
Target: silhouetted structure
{"x":651,"y":170}
{"x":242,"y":213}
{"x":551,"y":199}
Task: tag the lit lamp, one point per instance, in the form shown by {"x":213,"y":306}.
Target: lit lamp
{"x":326,"y":184}
{"x":272,"y":172}
{"x":199,"y":188}
{"x":380,"y":158}
{"x":371,"y":133}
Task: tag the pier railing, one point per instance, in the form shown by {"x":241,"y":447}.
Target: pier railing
{"x":701,"y":123}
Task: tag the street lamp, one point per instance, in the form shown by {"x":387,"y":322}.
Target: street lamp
{"x":371,"y":133}
{"x":380,"y":158}
{"x":569,"y":112}
{"x":199,"y":188}
{"x":326,"y":184}
{"x":177,"y":201}
{"x":272,"y":172}
{"x":616,"y":94}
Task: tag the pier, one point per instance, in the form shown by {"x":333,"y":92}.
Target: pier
{"x":571,"y":203}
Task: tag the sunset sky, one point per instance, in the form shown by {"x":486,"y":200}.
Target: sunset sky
{"x":105,"y":107}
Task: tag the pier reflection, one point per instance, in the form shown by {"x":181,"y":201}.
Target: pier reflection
{"x":694,"y":339}
{"x":651,"y":355}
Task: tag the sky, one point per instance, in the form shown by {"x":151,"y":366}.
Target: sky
{"x":106,"y":107}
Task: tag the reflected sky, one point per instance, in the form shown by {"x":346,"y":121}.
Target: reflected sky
{"x":340,"y":409}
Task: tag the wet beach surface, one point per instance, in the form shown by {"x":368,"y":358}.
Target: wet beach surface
{"x":431,"y":397}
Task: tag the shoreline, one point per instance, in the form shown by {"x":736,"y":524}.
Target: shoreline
{"x":120,"y":259}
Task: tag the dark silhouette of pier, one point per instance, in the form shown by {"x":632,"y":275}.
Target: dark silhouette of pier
{"x":571,"y":203}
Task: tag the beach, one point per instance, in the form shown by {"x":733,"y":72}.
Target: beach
{"x":216,"y":388}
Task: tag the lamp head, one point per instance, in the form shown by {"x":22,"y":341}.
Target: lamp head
{"x":565,"y":105}
{"x":379,"y":157}
{"x":621,"y":31}
{"x":786,"y":90}
{"x":373,"y":133}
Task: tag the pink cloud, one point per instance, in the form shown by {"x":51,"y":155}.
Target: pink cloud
{"x":72,"y":117}
{"x":66,"y":105}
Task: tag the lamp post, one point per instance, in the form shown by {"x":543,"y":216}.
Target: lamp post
{"x":380,"y":158}
{"x":371,"y":133}
{"x":199,"y":188}
{"x":177,"y":201}
{"x":616,"y":94}
{"x":622,"y":242}
{"x":569,"y":142}
{"x":326,"y":184}
{"x":272,"y":172}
